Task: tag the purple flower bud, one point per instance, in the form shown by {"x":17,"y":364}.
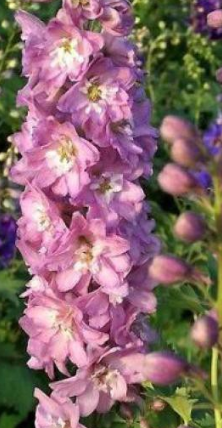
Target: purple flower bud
{"x":174,"y":127}
{"x":205,"y":332}
{"x":190,"y":227}
{"x":158,"y":405}
{"x":176,"y":180}
{"x":163,"y":368}
{"x":214,"y":19}
{"x":169,"y":269}
{"x":126,"y":411}
{"x":185,"y":152}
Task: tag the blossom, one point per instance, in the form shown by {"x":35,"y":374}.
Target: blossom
{"x":58,"y":326}
{"x":99,"y":385}
{"x":57,"y":52}
{"x":85,"y":231}
{"x":52,"y":411}
{"x":100,"y":96}
{"x":86,"y":253}
{"x":59,"y":161}
{"x":7,"y":239}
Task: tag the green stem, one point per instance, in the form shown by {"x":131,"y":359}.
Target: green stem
{"x":6,"y":52}
{"x":215,"y":351}
{"x":214,"y":385}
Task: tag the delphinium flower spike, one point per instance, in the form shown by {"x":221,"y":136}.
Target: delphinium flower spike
{"x":85,"y":232}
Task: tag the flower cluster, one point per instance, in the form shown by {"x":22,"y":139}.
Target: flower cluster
{"x":85,"y":231}
{"x":200,"y":11}
{"x":7,"y":239}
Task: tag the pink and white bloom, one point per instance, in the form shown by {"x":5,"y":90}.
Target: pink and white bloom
{"x":86,"y":253}
{"x":56,"y":413}
{"x":60,"y":328}
{"x":59,"y":160}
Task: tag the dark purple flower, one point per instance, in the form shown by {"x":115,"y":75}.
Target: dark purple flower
{"x":7,"y":239}
{"x":200,"y":10}
{"x":203,"y":178}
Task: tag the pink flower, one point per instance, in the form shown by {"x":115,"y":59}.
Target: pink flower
{"x":57,"y":52}
{"x":100,"y":96}
{"x":86,"y":253}
{"x":59,"y":159}
{"x":56,"y":413}
{"x":105,"y":381}
{"x":58,"y":326}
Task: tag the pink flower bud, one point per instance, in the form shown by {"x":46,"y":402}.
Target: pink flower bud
{"x":164,"y":368}
{"x":144,"y":423}
{"x":174,"y":127}
{"x":214,"y":19}
{"x":158,"y":405}
{"x":176,"y":180}
{"x":169,"y":269}
{"x":185,"y":152}
{"x":219,"y":75}
{"x":205,"y":332}
{"x":190,"y":227}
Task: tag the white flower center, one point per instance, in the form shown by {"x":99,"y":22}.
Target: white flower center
{"x":108,"y":185}
{"x":59,"y":423}
{"x":41,"y":217}
{"x":87,"y":256}
{"x":99,"y":96}
{"x":105,"y":379}
{"x":62,"y":158}
{"x":66,"y":53}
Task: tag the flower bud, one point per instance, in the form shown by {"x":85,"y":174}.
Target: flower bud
{"x":219,"y":75}
{"x":190,"y":227}
{"x":126,"y":411}
{"x":175,"y":180}
{"x":214,"y":19}
{"x":185,"y":152}
{"x":205,"y":332}
{"x":169,"y":269}
{"x":144,"y":423}
{"x":174,"y":127}
{"x":164,"y":368}
{"x":158,"y":405}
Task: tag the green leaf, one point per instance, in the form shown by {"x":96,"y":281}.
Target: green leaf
{"x":17,"y":393}
{"x":10,"y":421}
{"x":10,"y":286}
{"x":181,"y":404}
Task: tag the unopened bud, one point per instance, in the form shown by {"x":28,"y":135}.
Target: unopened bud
{"x":190,"y":227}
{"x":164,"y":368}
{"x":158,"y":405}
{"x":214,"y":19}
{"x":168,"y":269}
{"x":126,"y":412}
{"x":219,"y":75}
{"x":185,"y":152}
{"x":174,"y":127}
{"x":205,"y":332}
{"x":144,"y":423}
{"x":176,"y":180}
